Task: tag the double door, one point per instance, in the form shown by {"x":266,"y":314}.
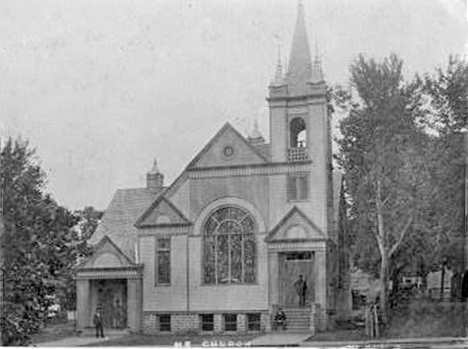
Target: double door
{"x":291,"y":265}
{"x":112,"y":300}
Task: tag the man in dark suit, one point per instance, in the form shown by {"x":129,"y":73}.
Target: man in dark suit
{"x":301,"y":288}
{"x":97,"y":320}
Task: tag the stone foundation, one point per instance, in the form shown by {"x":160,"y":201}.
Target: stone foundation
{"x":191,"y":322}
{"x":320,"y":317}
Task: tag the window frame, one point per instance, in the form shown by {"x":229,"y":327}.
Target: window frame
{"x":251,"y":323}
{"x":229,"y":323}
{"x":295,"y":188}
{"x":203,"y":323}
{"x":252,"y":237}
{"x":161,"y":324}
{"x":159,"y":251}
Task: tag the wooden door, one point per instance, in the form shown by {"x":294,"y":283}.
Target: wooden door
{"x":112,"y":299}
{"x":291,"y":265}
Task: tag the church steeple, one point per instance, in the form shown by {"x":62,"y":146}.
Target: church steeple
{"x":300,"y":67}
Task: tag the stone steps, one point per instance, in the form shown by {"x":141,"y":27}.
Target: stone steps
{"x":298,"y":319}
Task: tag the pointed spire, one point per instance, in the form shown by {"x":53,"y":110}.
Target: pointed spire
{"x":256,"y":137}
{"x":256,"y":132}
{"x":278,"y":80}
{"x":154,"y":169}
{"x":317,"y":73}
{"x":300,"y":68}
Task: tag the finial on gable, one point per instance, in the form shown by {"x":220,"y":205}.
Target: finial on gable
{"x":155,"y":168}
{"x":256,"y":137}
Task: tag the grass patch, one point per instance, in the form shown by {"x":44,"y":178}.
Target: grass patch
{"x":418,"y":319}
{"x":340,"y":336}
{"x":427,"y":319}
{"x":53,"y":332}
{"x":170,"y":340}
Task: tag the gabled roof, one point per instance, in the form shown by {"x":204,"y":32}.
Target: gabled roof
{"x":261,"y":154}
{"x":211,"y":155}
{"x":161,"y":208}
{"x":118,"y":221}
{"x":294,"y":217}
{"x":264,"y":149}
{"x":106,"y":245}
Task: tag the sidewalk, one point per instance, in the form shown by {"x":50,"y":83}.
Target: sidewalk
{"x":75,"y":341}
{"x":433,"y":341}
{"x":277,"y":339}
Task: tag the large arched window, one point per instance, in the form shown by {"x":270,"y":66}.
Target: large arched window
{"x":229,"y":252}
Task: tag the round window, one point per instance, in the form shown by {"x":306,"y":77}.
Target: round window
{"x":228,"y":152}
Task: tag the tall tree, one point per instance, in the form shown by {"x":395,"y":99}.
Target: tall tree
{"x":445,"y":117}
{"x":89,"y":219}
{"x":380,"y":152}
{"x":37,"y":243}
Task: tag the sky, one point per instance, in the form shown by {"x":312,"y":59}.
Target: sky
{"x":101,"y":87}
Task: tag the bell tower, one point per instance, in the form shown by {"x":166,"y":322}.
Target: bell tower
{"x":299,"y":125}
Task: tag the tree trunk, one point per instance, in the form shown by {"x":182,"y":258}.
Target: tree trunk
{"x":384,"y":255}
{"x":384,"y":287}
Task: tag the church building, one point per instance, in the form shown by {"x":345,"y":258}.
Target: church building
{"x":220,"y":248}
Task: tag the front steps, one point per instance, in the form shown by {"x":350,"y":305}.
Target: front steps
{"x":298,"y":319}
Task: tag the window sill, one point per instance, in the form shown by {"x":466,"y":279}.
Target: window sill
{"x":162,"y":285}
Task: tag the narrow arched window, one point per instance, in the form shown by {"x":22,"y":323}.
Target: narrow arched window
{"x":229,"y":249}
{"x":297,"y":133}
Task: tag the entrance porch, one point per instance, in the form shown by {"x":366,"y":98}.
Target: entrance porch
{"x":288,"y":260}
{"x":116,"y":291}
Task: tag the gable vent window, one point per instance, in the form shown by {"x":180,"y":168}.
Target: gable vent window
{"x":298,"y":187}
{"x":163,"y":261}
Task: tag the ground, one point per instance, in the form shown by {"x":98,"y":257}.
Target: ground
{"x":177,"y":340}
{"x":55,"y":331}
{"x":419,"y":319}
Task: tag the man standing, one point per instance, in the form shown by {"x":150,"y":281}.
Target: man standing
{"x":97,"y":320}
{"x":301,"y":288}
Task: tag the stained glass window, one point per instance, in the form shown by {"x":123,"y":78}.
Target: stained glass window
{"x":229,"y":249}
{"x":163,"y":261}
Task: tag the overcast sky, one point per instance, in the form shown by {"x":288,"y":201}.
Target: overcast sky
{"x":100,"y":87}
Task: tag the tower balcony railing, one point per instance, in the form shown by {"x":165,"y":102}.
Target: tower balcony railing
{"x":298,"y":154}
